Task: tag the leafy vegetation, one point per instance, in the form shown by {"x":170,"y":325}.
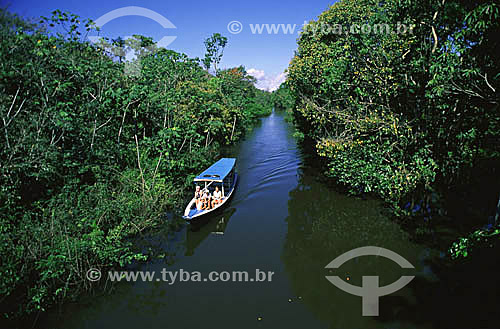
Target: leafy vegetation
{"x":282,"y":98}
{"x":401,"y":115}
{"x":94,"y":153}
{"x":485,"y":237}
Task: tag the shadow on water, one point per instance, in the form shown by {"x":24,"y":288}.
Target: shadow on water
{"x":199,"y":230}
{"x":323,"y":224}
{"x":465,"y":295}
{"x":282,"y":219}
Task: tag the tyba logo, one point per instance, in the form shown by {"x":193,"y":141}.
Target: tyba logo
{"x":137,"y":11}
{"x":370,"y":290}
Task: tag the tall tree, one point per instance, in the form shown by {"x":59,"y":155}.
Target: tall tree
{"x":214,"y":45}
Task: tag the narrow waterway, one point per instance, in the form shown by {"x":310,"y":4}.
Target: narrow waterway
{"x":283,"y":220}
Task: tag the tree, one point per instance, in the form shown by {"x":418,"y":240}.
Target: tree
{"x":400,"y":115}
{"x":90,"y":156}
{"x":214,"y":45}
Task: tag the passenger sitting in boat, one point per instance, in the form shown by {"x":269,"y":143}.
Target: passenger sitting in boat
{"x":217,"y":197}
{"x":198,"y":198}
{"x":206,"y":199}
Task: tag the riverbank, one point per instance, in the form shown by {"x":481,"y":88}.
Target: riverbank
{"x":284,"y":218}
{"x":390,"y":115}
{"x":93,"y":154}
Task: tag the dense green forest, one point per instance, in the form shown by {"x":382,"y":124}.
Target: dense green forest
{"x":96,"y":149}
{"x":282,"y":98}
{"x":413,"y":117}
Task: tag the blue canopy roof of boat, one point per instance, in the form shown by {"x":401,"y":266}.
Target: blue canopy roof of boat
{"x":218,"y":171}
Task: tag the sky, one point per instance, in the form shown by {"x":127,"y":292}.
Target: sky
{"x":264,"y":53}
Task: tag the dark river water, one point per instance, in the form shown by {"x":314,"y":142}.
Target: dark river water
{"x":284,"y":220}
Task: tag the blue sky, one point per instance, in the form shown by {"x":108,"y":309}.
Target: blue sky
{"x":264,"y":55}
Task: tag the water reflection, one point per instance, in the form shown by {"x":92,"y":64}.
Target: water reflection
{"x":322,"y":225}
{"x":282,"y":219}
{"x":200,"y":229}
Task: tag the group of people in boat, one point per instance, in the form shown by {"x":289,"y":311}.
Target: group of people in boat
{"x":204,"y":200}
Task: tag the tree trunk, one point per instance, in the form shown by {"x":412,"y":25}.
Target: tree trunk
{"x":234,"y":124}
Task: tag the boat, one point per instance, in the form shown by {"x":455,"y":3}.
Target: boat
{"x":222,"y":174}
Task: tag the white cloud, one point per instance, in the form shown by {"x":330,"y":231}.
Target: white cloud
{"x":267,"y":82}
{"x":257,"y":74}
{"x":276,"y":81}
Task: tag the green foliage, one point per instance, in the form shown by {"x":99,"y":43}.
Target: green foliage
{"x":483,"y":238}
{"x":400,"y":114}
{"x":283,"y":99}
{"x":92,"y":155}
{"x":262,"y":104}
{"x":403,"y":116}
{"x":214,"y":45}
